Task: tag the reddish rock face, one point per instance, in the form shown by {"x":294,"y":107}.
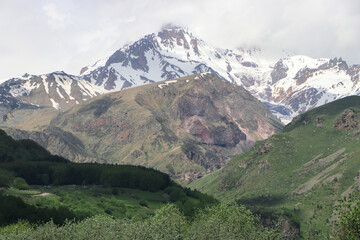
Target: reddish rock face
{"x":201,"y":118}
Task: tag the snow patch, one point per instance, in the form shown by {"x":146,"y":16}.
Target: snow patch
{"x":54,"y":104}
{"x":46,"y":84}
{"x":166,"y":83}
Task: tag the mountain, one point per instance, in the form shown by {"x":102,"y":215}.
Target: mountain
{"x":186,"y":127}
{"x":301,"y":171}
{"x":289,"y":86}
{"x":301,"y":83}
{"x":24,"y":101}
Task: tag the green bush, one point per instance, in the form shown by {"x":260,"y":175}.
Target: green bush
{"x":20,"y":183}
{"x":143,"y":203}
{"x":348,"y":224}
{"x":218,"y":222}
{"x":228,"y":222}
{"x":6,"y":178}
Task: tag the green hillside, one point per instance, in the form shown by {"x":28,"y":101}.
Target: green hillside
{"x":37,"y":186}
{"x":300,"y":172}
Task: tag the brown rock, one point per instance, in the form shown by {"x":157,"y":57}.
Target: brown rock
{"x":348,"y":120}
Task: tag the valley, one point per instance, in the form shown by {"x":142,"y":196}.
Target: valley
{"x":172,"y":138}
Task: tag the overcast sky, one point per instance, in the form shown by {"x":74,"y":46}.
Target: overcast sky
{"x":40,"y":36}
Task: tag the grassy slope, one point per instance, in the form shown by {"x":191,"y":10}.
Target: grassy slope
{"x":281,"y":179}
{"x":87,"y":201}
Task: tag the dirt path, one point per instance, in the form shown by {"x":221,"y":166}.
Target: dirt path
{"x":41,"y":194}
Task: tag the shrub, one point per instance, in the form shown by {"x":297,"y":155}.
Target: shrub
{"x":348,"y":212}
{"x":20,"y":183}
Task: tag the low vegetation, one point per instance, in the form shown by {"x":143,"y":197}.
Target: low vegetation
{"x":217,"y":222}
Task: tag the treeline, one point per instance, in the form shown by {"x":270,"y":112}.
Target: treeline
{"x":30,"y":161}
{"x":66,"y":173}
{"x":12,"y":209}
{"x":216,"y":222}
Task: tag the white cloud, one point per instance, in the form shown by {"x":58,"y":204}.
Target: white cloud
{"x":67,"y":35}
{"x":55,"y":18}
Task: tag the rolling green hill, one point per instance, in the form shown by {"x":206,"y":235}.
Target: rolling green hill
{"x":300,"y":172}
{"x":60,"y":189}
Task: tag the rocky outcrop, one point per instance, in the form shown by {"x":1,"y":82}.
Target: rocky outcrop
{"x":279,"y":71}
{"x":265,"y":147}
{"x":303,"y":75}
{"x":348,"y":120}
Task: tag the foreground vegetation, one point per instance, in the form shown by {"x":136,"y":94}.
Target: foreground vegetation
{"x":40,"y":204}
{"x":217,"y":222}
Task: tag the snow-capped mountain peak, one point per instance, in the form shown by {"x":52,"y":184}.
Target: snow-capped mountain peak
{"x":58,"y":90}
{"x":288,"y":86}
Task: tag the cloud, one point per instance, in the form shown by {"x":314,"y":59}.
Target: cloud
{"x":55,"y":18}
{"x":67,"y":35}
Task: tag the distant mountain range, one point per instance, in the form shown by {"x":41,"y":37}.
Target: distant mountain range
{"x":288,"y":86}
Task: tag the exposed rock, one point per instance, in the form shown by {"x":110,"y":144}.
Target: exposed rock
{"x":189,"y":175}
{"x":354,"y":72}
{"x":279,"y":71}
{"x":84,"y":69}
{"x":318,"y":122}
{"x":249,"y":64}
{"x":248,"y":81}
{"x":303,"y":75}
{"x":348,"y":120}
{"x":265,"y":147}
{"x":137,"y":153}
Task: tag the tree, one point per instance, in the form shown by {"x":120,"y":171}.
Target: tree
{"x":20,"y":183}
{"x":168,"y":223}
{"x":348,"y":212}
{"x":228,"y":222}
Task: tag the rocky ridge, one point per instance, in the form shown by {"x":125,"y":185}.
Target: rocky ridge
{"x":24,"y":99}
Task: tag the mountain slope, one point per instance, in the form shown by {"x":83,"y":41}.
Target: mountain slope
{"x":289,"y":86}
{"x":185,"y":127}
{"x":302,"y":170}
